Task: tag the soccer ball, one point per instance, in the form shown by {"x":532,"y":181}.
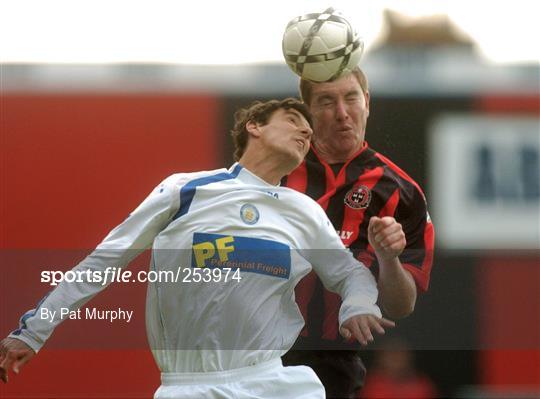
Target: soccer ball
{"x":321,"y":46}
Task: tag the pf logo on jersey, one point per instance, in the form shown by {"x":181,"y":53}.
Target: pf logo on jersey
{"x":358,"y":197}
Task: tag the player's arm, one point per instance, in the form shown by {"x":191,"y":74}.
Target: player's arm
{"x":359,"y":315}
{"x":403,"y":273}
{"x":397,"y":289}
{"x":120,"y":246}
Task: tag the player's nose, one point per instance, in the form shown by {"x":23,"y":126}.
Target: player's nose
{"x":306,"y":131}
{"x":341,"y":111}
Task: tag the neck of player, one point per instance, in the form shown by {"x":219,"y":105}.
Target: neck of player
{"x":271,"y":169}
{"x":332,"y":155}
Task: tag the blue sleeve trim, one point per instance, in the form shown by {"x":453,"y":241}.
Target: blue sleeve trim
{"x":27,"y":315}
{"x":188,"y":191}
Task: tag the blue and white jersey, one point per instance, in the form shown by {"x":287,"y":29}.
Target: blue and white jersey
{"x":270,"y":236}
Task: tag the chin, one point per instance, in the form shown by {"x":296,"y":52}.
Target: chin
{"x":349,"y":143}
{"x":293,"y":162}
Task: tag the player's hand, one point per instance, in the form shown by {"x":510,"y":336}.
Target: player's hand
{"x":386,"y":236}
{"x":14,"y":353}
{"x":362,"y":327}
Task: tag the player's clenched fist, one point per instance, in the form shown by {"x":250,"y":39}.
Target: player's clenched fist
{"x":386,"y":236}
{"x":14,"y":353}
{"x":361,"y":327}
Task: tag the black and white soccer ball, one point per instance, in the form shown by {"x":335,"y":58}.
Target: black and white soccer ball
{"x":321,"y":46}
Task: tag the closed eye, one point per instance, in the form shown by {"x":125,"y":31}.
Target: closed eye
{"x":325,"y":101}
{"x":353,"y":96}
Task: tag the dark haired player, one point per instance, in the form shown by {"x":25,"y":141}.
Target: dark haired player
{"x":214,"y":337}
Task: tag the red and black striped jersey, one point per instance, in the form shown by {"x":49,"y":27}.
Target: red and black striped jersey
{"x":367,"y":185}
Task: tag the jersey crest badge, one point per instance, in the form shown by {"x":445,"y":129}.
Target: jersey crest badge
{"x":358,"y":197}
{"x":249,"y":214}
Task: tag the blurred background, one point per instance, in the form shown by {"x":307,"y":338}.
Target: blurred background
{"x":101,"y":100}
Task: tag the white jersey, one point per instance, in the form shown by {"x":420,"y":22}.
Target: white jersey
{"x":272,"y":236}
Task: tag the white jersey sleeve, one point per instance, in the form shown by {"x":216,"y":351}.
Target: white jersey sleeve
{"x":119,"y":247}
{"x":341,"y":273}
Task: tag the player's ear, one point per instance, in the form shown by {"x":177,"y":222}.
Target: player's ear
{"x":366,"y":96}
{"x":253,"y":128}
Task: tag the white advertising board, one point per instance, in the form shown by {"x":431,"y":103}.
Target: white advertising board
{"x":484,"y":179}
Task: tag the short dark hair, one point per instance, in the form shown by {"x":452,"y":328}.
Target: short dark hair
{"x":260,"y":112}
{"x":307,"y":85}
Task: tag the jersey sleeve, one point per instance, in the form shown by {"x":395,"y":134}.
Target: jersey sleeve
{"x":341,"y":273}
{"x":119,"y":247}
{"x":417,"y":256}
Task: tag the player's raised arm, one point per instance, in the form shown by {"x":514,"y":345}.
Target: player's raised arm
{"x":120,"y":246}
{"x":396,"y":284}
{"x":359,"y":315}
